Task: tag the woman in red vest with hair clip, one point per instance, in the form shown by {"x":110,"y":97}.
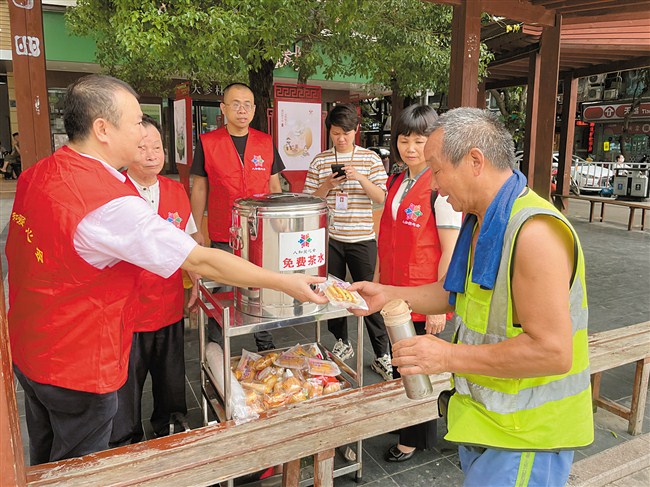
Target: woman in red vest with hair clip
{"x":417,"y":234}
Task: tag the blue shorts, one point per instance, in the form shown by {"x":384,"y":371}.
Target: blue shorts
{"x":485,"y":467}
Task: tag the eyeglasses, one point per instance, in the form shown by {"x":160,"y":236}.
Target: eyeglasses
{"x":235,"y":105}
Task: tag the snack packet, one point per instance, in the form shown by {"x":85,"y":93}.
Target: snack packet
{"x":246,"y":367}
{"x":337,"y":292}
{"x":290,"y":361}
{"x":310,"y":350}
{"x":323,"y":367}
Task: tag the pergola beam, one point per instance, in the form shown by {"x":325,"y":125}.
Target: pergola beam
{"x":636,"y":63}
{"x":518,"y":10}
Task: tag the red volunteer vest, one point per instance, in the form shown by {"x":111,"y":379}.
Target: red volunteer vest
{"x":228,"y":180}
{"x":70,"y":324}
{"x":161,"y":300}
{"x":409,"y":247}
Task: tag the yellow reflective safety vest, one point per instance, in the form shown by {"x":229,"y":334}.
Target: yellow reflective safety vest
{"x":539,"y":413}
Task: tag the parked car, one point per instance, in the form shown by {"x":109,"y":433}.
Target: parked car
{"x":587,"y":177}
{"x":384,"y":154}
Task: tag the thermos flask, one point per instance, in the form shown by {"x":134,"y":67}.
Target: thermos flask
{"x":397,"y":317}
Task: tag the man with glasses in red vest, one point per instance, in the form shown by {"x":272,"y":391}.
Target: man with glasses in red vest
{"x":234,"y":161}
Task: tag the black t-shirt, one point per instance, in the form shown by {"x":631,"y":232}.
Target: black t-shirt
{"x":198,"y":163}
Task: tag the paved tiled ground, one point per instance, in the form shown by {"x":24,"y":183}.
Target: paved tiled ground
{"x":618,"y":280}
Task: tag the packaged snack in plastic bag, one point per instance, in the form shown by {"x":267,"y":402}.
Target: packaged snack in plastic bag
{"x":331,"y":387}
{"x":323,"y":367}
{"x":314,"y":388}
{"x":291,"y":361}
{"x":310,"y":350}
{"x":337,"y":292}
{"x":246,"y":405}
{"x":265,"y":360}
{"x":275,"y":400}
{"x":299,"y":396}
{"x":291,"y":385}
{"x":245,"y":369}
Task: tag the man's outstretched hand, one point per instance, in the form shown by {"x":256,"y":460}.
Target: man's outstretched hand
{"x":374,"y":295}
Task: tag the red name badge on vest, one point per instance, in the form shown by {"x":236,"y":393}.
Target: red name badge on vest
{"x":341,"y":201}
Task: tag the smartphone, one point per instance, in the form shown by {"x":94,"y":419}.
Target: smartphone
{"x":338,"y":170}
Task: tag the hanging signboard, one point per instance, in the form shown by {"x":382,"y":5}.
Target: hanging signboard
{"x":298,"y":124}
{"x":614,"y":111}
{"x":180,"y":131}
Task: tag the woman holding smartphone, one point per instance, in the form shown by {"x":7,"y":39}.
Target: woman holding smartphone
{"x":417,"y":234}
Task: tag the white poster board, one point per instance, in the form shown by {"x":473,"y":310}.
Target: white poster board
{"x":302,"y":250}
{"x":299,"y":133}
{"x":180,"y":131}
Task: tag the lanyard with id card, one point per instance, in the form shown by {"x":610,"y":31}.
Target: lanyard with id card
{"x":341,"y":197}
{"x":341,"y":201}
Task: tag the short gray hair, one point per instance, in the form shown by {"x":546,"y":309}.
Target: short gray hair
{"x":89,"y":98}
{"x":466,"y":128}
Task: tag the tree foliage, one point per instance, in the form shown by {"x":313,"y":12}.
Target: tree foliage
{"x":512,"y":109}
{"x":148,"y":42}
{"x":398,"y":44}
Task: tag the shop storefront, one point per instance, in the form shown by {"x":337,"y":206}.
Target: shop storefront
{"x":608,"y":126}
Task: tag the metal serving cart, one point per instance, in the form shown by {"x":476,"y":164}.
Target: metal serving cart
{"x":235,"y":323}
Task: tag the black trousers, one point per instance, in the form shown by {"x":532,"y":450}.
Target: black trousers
{"x":422,"y":436}
{"x":263,"y":339}
{"x":360,"y":258}
{"x":64,"y":423}
{"x":159,"y":353}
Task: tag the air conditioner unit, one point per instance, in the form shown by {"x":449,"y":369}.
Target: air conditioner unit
{"x":611,"y":94}
{"x":597,"y":79}
{"x":594,"y":93}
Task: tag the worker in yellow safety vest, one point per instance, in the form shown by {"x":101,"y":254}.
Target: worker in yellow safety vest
{"x":521,"y":398}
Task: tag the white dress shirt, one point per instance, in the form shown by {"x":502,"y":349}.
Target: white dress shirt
{"x":151,"y":194}
{"x":127,"y":228}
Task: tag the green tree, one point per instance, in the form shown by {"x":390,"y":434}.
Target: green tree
{"x":512,"y":109}
{"x":148,"y":43}
{"x":403,"y":45}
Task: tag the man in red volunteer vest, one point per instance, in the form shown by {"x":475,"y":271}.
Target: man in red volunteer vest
{"x":78,"y":238}
{"x":158,"y":341}
{"x":235,"y":161}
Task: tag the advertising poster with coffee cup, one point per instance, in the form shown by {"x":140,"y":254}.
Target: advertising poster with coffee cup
{"x":299,"y":133}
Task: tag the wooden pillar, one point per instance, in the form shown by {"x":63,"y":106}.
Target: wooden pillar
{"x":28,"y":59}
{"x":324,"y":469}
{"x":540,"y":110}
{"x":12,"y":460}
{"x":291,"y":473}
{"x":480,"y":96}
{"x":465,"y":44}
{"x":567,"y":131}
{"x":532,"y":106}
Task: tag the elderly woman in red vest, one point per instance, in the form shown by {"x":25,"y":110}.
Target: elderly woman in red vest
{"x":417,"y":234}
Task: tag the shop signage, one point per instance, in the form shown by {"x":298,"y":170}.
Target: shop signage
{"x":614,"y":111}
{"x":633,"y":128}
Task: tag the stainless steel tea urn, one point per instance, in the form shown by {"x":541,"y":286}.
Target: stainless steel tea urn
{"x":282,"y":232}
